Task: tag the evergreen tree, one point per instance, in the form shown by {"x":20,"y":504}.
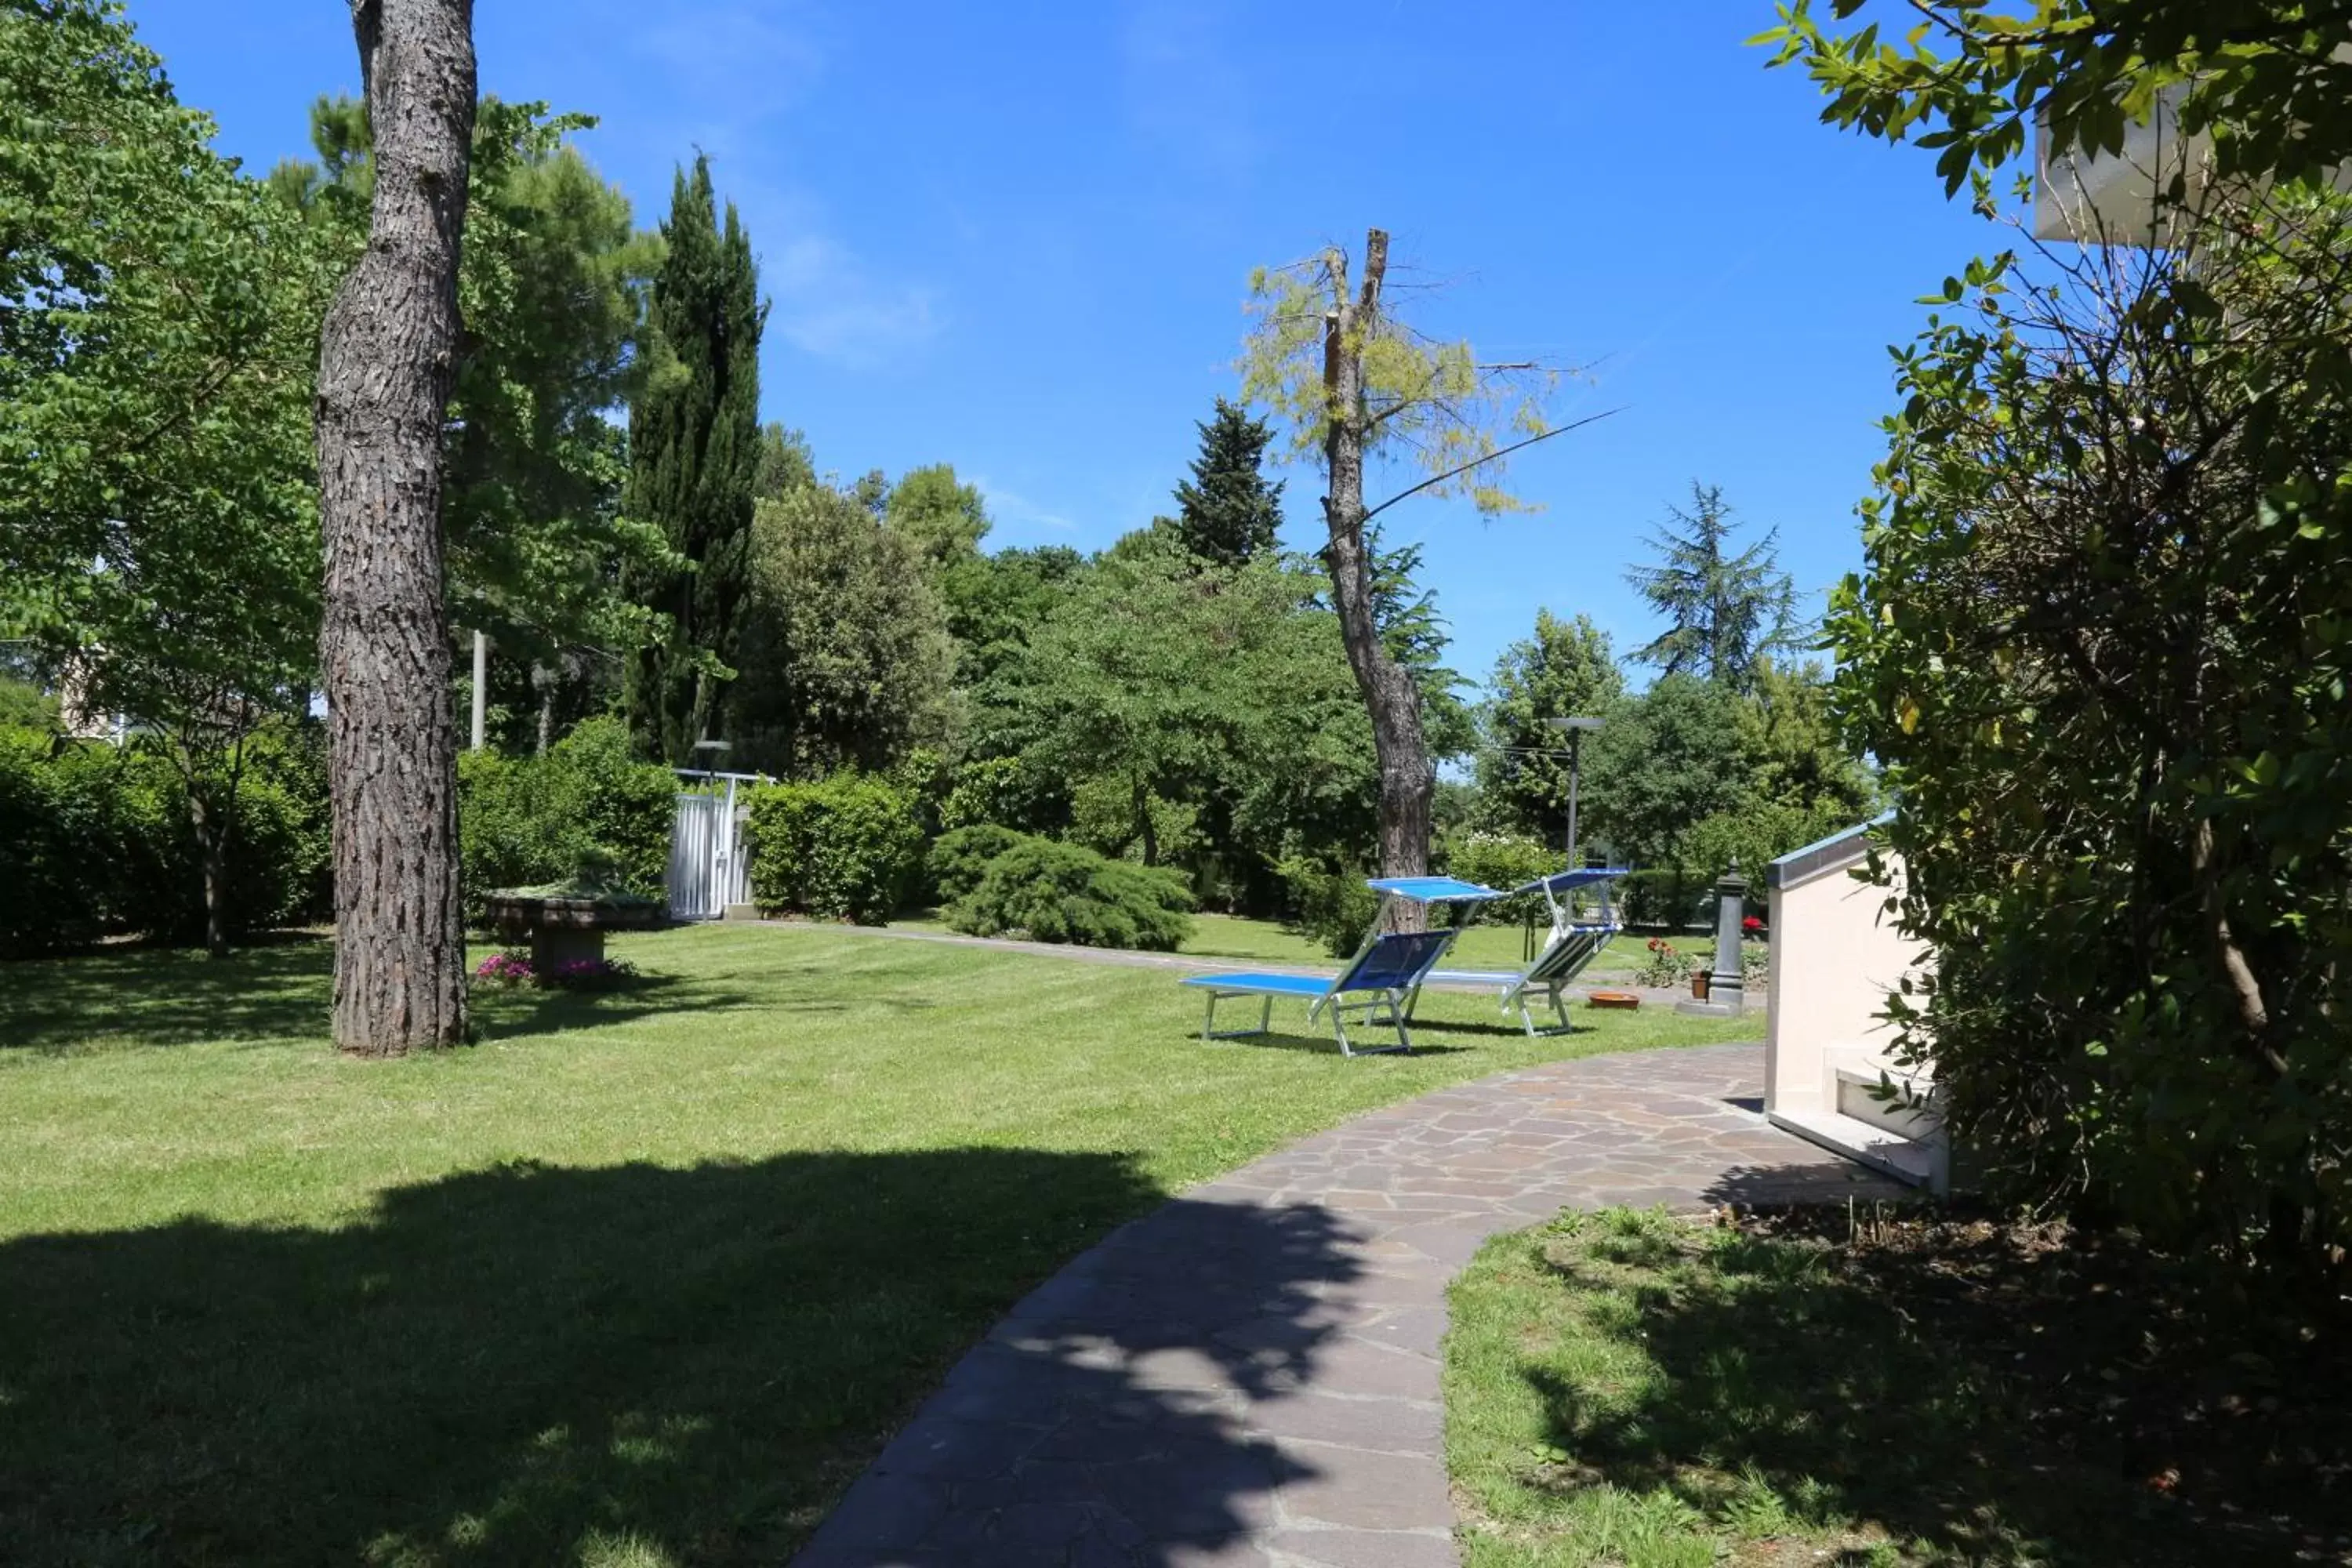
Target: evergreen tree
{"x":1725,"y":614}
{"x":1416,"y":637}
{"x":695,"y":457}
{"x":1226,"y":511}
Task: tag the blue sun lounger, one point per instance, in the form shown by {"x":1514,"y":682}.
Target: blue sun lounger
{"x":1575,"y":941}
{"x":1386,"y":973}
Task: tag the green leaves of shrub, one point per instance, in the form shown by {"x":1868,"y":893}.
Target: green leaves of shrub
{"x":1047,"y":891}
{"x":587,"y":805}
{"x":844,"y":849}
{"x":961,"y":857}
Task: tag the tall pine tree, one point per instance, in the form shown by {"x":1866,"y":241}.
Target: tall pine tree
{"x":1725,"y":614}
{"x":1226,"y":511}
{"x":694,"y":465}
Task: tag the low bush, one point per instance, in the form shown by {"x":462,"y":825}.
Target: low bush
{"x":59,"y":837}
{"x":1332,"y":907}
{"x":96,"y":840}
{"x":1047,"y":891}
{"x":844,"y":849}
{"x":959,"y":858}
{"x":1503,"y":862}
{"x":587,"y":805}
{"x":1665,"y":965}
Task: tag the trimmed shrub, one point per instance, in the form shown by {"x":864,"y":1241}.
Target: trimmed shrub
{"x":1503,"y":862}
{"x":1756,"y":834}
{"x":1332,"y":907}
{"x":95,"y":840}
{"x":1047,"y":891}
{"x":844,"y":849}
{"x":587,"y":805}
{"x":58,"y":839}
{"x":959,"y":858}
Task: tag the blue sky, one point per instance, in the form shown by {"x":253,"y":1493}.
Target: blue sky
{"x":1017,"y":236}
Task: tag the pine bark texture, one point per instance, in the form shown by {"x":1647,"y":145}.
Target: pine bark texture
{"x":1408,"y":778}
{"x":387,"y":362}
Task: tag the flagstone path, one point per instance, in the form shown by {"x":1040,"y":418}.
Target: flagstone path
{"x":1249,"y":1375}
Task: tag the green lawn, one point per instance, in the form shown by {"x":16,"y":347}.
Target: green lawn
{"x":1629,"y":1389}
{"x":1267,"y":941}
{"x":643,"y":1279}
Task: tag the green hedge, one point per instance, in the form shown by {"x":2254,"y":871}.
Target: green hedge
{"x":1047,"y":891}
{"x":844,"y":849}
{"x":587,"y":808}
{"x":95,"y":841}
{"x":1332,"y":907}
{"x":1502,"y":861}
{"x":960,"y":857}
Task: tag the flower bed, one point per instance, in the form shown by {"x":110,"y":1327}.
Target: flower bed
{"x":513,"y":968}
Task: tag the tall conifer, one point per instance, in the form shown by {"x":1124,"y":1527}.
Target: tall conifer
{"x":694,"y":464}
{"x":1227,"y":511}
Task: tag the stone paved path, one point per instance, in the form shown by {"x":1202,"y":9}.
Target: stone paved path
{"x":1250,"y":1374}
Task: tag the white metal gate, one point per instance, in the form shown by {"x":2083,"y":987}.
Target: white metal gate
{"x":708,"y":868}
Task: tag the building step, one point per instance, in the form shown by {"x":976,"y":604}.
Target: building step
{"x":1855,"y":1091}
{"x":1905,"y":1159}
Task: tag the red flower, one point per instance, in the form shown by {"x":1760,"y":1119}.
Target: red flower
{"x":1752,"y":922}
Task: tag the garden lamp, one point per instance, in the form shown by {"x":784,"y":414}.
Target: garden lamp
{"x":1576,"y":728}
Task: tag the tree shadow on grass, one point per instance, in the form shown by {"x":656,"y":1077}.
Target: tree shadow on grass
{"x":1775,"y":1371}
{"x":633,"y":1365}
{"x":1367,"y":1045}
{"x":167,"y":996}
{"x":144,"y":998}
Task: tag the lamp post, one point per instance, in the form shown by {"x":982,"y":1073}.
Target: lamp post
{"x":1576,"y":729}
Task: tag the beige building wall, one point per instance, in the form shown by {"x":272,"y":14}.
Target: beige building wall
{"x":1836,"y":955}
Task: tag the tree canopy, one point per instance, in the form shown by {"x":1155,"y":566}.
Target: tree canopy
{"x":2099,"y":643}
{"x":552,"y":287}
{"x":845,"y":658}
{"x":943,"y":518}
{"x":1357,"y":385}
{"x":1566,"y":669}
{"x":1227,"y":511}
{"x":2268,"y":81}
{"x":1725,"y":613}
{"x":159,"y":525}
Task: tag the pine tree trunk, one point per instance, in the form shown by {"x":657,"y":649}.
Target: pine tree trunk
{"x":387,"y":361}
{"x":1408,"y":779}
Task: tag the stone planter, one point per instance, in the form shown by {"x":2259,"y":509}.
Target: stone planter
{"x":564,"y":931}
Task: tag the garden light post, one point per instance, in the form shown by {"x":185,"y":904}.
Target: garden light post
{"x":481,"y":678}
{"x":1576,"y":728}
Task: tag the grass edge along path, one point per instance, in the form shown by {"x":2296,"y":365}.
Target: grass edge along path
{"x":1638,"y":1391}
{"x":644,"y":1279}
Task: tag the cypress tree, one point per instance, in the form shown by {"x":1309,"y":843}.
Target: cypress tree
{"x":694,"y":464}
{"x":1226,"y":511}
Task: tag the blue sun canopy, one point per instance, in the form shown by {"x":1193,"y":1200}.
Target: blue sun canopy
{"x":1568,"y":881}
{"x":1432,"y":890}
